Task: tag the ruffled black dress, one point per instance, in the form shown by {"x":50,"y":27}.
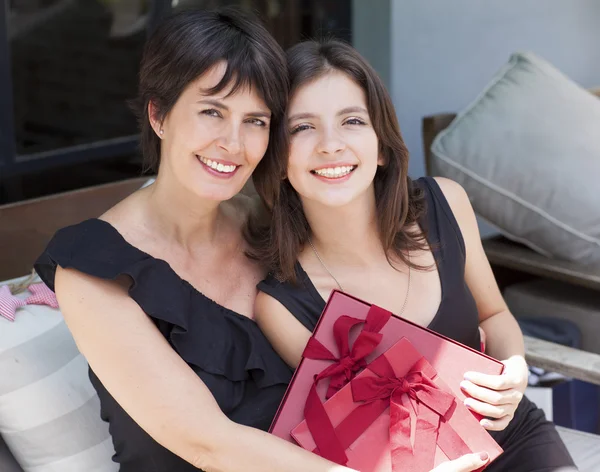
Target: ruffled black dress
{"x":227,"y":350}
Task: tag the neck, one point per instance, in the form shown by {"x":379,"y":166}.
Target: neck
{"x":346,"y":235}
{"x":180,"y":215}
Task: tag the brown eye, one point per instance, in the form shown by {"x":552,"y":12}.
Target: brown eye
{"x":354,"y":121}
{"x":211,"y":112}
{"x":299,"y":128}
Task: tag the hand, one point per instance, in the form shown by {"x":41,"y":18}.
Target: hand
{"x":465,"y":463}
{"x":497,"y":396}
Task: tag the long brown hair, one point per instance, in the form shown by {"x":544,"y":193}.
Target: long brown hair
{"x":276,"y":239}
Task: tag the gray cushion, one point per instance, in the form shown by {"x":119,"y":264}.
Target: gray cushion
{"x":527,"y":151}
{"x":7,"y":461}
{"x":584,"y":448}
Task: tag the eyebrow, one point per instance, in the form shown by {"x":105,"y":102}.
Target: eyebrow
{"x":344,"y":111}
{"x":222,"y":106}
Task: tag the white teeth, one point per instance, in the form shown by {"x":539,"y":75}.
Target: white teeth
{"x":335,"y":172}
{"x":225,"y":169}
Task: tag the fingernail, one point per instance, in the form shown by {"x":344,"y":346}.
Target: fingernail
{"x":486,"y":423}
{"x":468,"y":375}
{"x":468,"y":402}
{"x":484,"y":456}
{"x":463,"y":385}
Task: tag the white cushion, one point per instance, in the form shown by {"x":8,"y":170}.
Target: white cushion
{"x":584,"y":448}
{"x":527,"y":152}
{"x":49,"y":411}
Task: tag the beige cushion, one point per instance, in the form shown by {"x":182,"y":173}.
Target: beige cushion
{"x":527,"y":151}
{"x":49,"y":411}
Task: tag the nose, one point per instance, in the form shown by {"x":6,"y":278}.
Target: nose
{"x":331,"y":143}
{"x":231,"y":140}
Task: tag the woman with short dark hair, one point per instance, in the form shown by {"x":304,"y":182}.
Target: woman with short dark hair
{"x":157,"y":291}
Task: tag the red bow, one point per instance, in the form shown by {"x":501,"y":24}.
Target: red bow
{"x":345,"y":367}
{"x":430,"y":403}
{"x":9,"y":304}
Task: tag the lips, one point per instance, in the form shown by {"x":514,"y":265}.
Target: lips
{"x":334,"y":172}
{"x":218,"y":166}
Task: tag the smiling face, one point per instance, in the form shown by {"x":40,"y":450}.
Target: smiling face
{"x":212,"y":143}
{"x":334,"y":150}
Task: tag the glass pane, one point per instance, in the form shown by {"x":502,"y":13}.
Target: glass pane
{"x":74,"y":66}
{"x":75,"y":62}
{"x":291,"y":21}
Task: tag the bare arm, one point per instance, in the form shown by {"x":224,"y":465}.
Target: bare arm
{"x":159,"y":390}
{"x":285,"y":333}
{"x":503,"y":335}
{"x":493,"y":396}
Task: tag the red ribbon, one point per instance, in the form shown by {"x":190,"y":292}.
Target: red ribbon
{"x":431,"y":405}
{"x":344,"y":368}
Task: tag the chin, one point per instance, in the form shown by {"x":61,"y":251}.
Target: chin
{"x":336,"y":200}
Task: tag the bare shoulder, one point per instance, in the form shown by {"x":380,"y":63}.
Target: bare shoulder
{"x":75,"y":288}
{"x":454,"y":192}
{"x":285,"y":333}
{"x":458,"y":200}
{"x":127,"y":212}
{"x":265,"y":306}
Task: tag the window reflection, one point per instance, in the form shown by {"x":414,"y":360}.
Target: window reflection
{"x":75,"y":62}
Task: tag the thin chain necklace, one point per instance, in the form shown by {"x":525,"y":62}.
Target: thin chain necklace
{"x":340,"y":286}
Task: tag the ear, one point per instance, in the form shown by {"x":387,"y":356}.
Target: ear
{"x":153,"y":117}
{"x":381,"y":159}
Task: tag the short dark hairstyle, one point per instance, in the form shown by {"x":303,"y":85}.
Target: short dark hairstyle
{"x":189,"y":43}
{"x":399,"y":202}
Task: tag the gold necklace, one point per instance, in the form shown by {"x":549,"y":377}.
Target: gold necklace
{"x":340,"y":286}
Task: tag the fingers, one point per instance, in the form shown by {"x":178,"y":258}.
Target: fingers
{"x":465,"y":463}
{"x":493,"y":397}
{"x":496,"y":425}
{"x":494,"y":382}
{"x":491,"y":411}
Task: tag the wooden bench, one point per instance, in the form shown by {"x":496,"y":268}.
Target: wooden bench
{"x":514,"y":263}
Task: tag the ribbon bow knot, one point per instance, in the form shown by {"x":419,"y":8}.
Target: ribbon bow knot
{"x":40,"y":295}
{"x":416,"y":384}
{"x":345,"y":366}
{"x":430,"y":403}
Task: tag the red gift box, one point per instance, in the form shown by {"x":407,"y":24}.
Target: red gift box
{"x":350,"y":334}
{"x":399,"y":415}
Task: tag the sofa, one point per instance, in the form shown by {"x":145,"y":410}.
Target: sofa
{"x":74,"y":439}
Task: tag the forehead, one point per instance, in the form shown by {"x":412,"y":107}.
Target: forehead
{"x":330,"y":92}
{"x":199,"y":88}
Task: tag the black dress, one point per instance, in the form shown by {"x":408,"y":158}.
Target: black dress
{"x":227,"y":350}
{"x":530,"y":442}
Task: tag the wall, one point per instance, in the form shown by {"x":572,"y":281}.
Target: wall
{"x":442,"y":53}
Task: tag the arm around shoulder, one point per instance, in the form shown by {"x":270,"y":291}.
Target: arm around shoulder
{"x":138,"y":367}
{"x":155,"y":386}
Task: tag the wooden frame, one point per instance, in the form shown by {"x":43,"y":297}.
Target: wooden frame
{"x":26,"y":227}
{"x":512,"y":262}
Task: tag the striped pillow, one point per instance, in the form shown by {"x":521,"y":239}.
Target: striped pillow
{"x":49,"y":411}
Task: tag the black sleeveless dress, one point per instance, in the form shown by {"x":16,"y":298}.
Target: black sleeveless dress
{"x":530,"y":442}
{"x":227,"y":350}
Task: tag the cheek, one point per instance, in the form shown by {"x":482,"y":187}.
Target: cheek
{"x":299,"y":159}
{"x":256,"y":143}
{"x":368,"y":147}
